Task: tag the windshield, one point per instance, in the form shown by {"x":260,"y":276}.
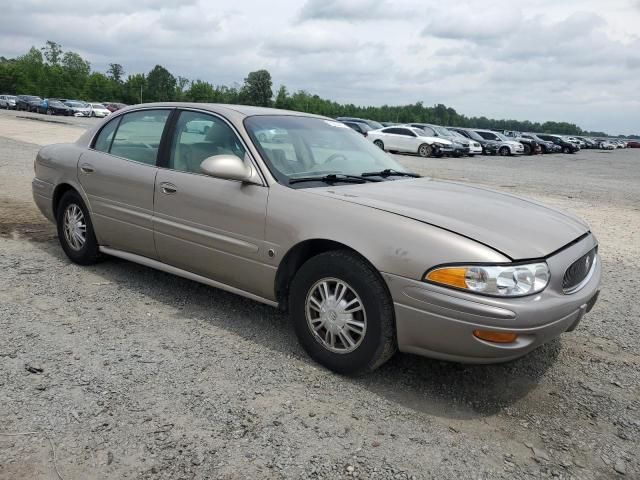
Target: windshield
{"x":99,"y":106}
{"x":458,"y":135}
{"x":296,"y":146}
{"x":442,"y":131}
{"x":501,"y":136}
{"x":55,"y":103}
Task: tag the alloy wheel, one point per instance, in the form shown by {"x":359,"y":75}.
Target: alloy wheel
{"x":335,"y":315}
{"x":74,"y":227}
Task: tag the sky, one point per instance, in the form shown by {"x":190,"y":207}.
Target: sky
{"x":568,"y":60}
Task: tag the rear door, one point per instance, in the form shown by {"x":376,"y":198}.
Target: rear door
{"x":210,"y":226}
{"x":118,"y":175}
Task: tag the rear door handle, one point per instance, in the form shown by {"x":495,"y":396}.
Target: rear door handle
{"x":168,"y":188}
{"x":86,"y":168}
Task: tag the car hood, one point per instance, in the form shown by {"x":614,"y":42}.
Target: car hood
{"x":441,"y":141}
{"x":518,"y":228}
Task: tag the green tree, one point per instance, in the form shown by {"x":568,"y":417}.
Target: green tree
{"x":257,"y":88}
{"x":115,"y":73}
{"x":52,"y":52}
{"x":98,"y":87}
{"x":282,"y":98}
{"x":161,"y":85}
{"x":134,"y":89}
{"x":200,"y":91}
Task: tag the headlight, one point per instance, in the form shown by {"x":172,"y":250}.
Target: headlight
{"x":501,"y":281}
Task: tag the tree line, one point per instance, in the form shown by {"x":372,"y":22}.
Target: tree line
{"x":52,"y":72}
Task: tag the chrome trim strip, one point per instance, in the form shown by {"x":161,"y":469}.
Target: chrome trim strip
{"x":148,"y":262}
{"x":586,"y":279}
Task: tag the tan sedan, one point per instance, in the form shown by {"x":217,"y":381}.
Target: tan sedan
{"x":300,"y":212}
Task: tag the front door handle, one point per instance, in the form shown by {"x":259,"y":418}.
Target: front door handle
{"x":168,"y":188}
{"x":86,"y":168}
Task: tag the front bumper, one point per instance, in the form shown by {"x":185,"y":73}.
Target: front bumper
{"x":438,"y":322}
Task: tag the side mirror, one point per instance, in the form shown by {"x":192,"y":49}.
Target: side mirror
{"x":230,"y":167}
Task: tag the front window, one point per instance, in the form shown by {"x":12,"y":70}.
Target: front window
{"x":298,"y":146}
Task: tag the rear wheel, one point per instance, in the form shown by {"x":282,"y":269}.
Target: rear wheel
{"x":379,"y":144}
{"x":342,"y":313}
{"x":49,"y":112}
{"x":425,"y":150}
{"x":504,"y":151}
{"x":75,"y":230}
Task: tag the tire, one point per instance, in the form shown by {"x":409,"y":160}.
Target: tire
{"x":504,"y":151}
{"x":375,"y":345}
{"x":88,"y":253}
{"x":379,"y":144}
{"x":527,"y":149}
{"x":425,"y":150}
{"x":49,"y":112}
{"x":471,"y":155}
{"x":566,"y":150}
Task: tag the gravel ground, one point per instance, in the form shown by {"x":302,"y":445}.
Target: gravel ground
{"x":131,"y":373}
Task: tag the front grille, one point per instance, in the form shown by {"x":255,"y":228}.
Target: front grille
{"x":578,"y":271}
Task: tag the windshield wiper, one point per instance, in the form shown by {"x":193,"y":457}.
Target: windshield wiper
{"x":388,"y":172}
{"x":332,"y":178}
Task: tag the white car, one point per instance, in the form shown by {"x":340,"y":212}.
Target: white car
{"x":8,"y":102}
{"x":407,"y":140}
{"x":79,"y":109}
{"x":98,"y":110}
{"x":506,"y":146}
{"x":606,"y":145}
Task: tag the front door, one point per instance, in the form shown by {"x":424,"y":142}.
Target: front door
{"x":205,"y":225}
{"x":118,"y":175}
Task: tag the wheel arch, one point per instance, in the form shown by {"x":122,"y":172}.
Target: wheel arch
{"x":297,"y":256}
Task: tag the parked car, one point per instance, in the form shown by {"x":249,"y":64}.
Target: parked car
{"x":8,"y":102}
{"x":407,"y":139}
{"x":79,"y":109}
{"x":475,"y":148}
{"x":366,"y":258}
{"x":605,"y":144}
{"x":27,"y":103}
{"x":53,"y":106}
{"x":506,"y":146}
{"x":580,"y":144}
{"x":113,"y":106}
{"x":566,"y":147}
{"x":633,"y":144}
{"x":98,"y":110}
{"x":588,"y":142}
{"x":360,"y":127}
{"x":372,"y":123}
{"x":459,"y":147}
{"x":489,"y":147}
{"x":546,"y":146}
{"x":531,"y":147}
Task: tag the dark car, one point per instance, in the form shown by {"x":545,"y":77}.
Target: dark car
{"x":27,"y":103}
{"x":113,"y":107}
{"x":53,"y":106}
{"x":531,"y":146}
{"x":359,"y":127}
{"x":566,"y":147}
{"x":372,"y":123}
{"x":633,"y":144}
{"x":489,"y":147}
{"x":545,"y":145}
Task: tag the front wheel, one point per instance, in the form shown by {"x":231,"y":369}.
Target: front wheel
{"x":504,"y":151}
{"x":425,"y":150}
{"x":379,"y":144}
{"x":49,"y":112}
{"x":566,"y":150}
{"x":527,"y":149}
{"x":75,"y":230}
{"x":342,"y":313}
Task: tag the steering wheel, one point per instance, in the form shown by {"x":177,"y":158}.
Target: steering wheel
{"x":335,"y":157}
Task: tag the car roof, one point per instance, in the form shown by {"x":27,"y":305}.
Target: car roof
{"x":222,"y":108}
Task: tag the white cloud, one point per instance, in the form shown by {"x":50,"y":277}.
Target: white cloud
{"x":576,"y":60}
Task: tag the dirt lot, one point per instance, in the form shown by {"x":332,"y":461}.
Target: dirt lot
{"x":131,"y":373}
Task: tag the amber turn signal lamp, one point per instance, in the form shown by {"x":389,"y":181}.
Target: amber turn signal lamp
{"x":453,"y":277}
{"x":496,"y":337}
